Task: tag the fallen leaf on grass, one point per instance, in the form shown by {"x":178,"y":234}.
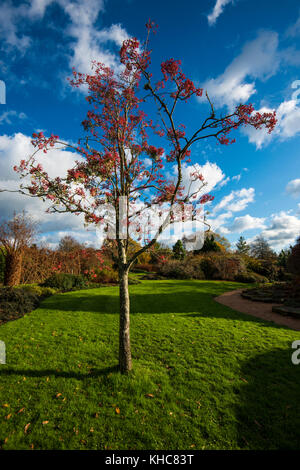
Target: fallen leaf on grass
{"x":5,"y":405}
{"x":26,"y":427}
{"x":8,"y":416}
{"x":45,"y":422}
{"x":21,"y":410}
{"x":118,"y":411}
{"x":149,"y":395}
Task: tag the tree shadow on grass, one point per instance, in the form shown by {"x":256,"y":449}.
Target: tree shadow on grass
{"x":268,"y":405}
{"x":92,"y":374}
{"x":174,"y":297}
{"x":192,"y":303}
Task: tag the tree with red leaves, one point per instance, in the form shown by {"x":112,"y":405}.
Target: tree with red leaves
{"x":116,"y":152}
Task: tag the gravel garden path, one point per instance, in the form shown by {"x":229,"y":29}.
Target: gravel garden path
{"x":234,"y":300}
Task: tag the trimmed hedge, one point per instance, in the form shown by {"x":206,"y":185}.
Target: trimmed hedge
{"x":250,"y":278}
{"x":14,"y":303}
{"x":65,"y":282}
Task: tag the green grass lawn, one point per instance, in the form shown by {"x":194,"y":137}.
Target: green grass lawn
{"x":205,"y":376}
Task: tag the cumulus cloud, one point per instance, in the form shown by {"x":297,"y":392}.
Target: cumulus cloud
{"x":293,"y":187}
{"x":217,"y":11}
{"x":288,"y":124}
{"x":236,"y":201}
{"x":218,"y":223}
{"x":56,"y":163}
{"x":89,"y":42}
{"x":211,"y":172}
{"x":246,"y":222}
{"x":283,"y":230}
{"x":259,"y":59}
{"x":10,"y":15}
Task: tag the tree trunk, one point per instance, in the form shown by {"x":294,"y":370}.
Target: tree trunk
{"x":125,"y":362}
{"x":13,"y":269}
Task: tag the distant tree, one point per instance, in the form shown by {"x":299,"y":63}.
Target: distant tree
{"x":69,"y":244}
{"x":222,"y":241}
{"x":179,"y":250}
{"x":283,"y":257}
{"x":242,"y":246}
{"x":15,"y":236}
{"x":159,"y":250}
{"x":209,"y":245}
{"x":294,"y":259}
{"x":261,"y":249}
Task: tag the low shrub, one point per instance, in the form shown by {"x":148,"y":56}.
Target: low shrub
{"x":65,"y":282}
{"x":106,"y":276}
{"x":176,"y":269}
{"x":221,"y":266}
{"x":142,"y":267}
{"x":250,"y":278}
{"x":14,"y":303}
{"x":267,"y":268}
{"x":208,"y":267}
{"x":40,"y":291}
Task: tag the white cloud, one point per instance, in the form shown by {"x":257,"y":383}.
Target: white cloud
{"x":8,"y":26}
{"x":217,"y":11}
{"x":56,"y":162}
{"x":293,"y":187}
{"x":88,"y":238}
{"x":38,"y":7}
{"x":89,"y":42}
{"x":288,"y":114}
{"x":217,"y":223}
{"x":211,"y":172}
{"x":246,"y":222}
{"x":236,"y":201}
{"x":236,"y":177}
{"x":283,"y":230}
{"x":288,"y":124}
{"x":294,"y":29}
{"x":5,"y":118}
{"x":259,"y":59}
{"x":223,"y":182}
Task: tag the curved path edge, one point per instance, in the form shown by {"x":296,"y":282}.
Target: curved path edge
{"x":234,"y":300}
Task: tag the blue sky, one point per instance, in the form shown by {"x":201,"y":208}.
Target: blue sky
{"x":240,"y":51}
